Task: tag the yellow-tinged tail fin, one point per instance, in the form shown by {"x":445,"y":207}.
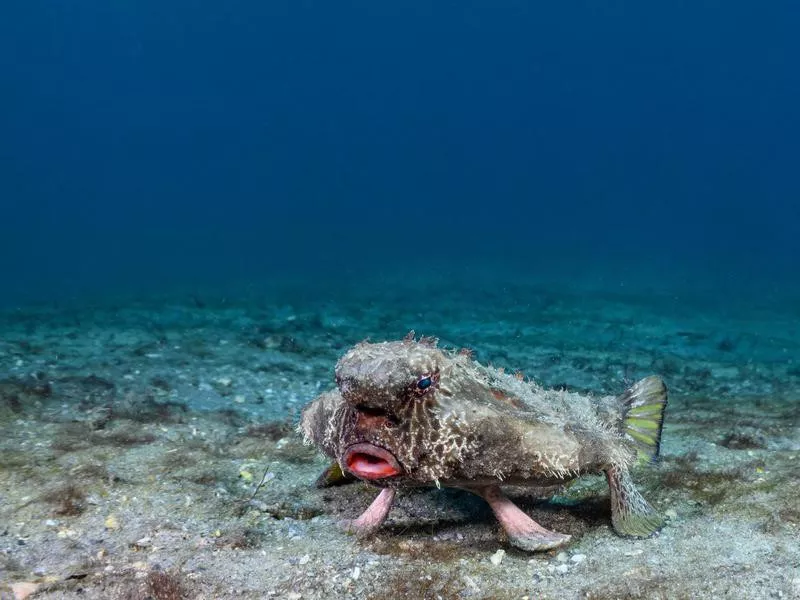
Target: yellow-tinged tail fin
{"x":644,"y":403}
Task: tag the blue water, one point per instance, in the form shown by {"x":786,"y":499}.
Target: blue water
{"x":154,"y":145}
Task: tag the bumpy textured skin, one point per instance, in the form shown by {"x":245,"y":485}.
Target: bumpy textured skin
{"x":473,"y":427}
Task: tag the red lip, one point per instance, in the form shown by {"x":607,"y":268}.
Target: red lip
{"x":368,"y":461}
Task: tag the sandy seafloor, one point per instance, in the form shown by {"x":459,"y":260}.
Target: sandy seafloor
{"x":135,"y":430}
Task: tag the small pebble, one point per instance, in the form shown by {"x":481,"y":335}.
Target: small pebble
{"x":671,"y":514}
{"x":23,"y":589}
{"x":578,"y":558}
{"x":562,"y":569}
{"x":304,"y":559}
{"x":497,"y":557}
{"x":356,"y":573}
{"x":111,"y":522}
{"x":562,"y":557}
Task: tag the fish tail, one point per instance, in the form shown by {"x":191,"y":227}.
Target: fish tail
{"x":643,"y":415}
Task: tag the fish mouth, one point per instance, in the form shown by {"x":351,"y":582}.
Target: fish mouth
{"x":368,"y":461}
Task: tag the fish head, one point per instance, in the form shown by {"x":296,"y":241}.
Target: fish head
{"x":395,"y":429}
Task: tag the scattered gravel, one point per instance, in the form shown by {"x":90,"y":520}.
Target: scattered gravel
{"x":149,"y":447}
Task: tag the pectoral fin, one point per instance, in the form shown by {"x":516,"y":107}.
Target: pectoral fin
{"x":333,"y":476}
{"x":631,"y":515}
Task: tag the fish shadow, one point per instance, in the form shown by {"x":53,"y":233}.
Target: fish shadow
{"x":450,"y":512}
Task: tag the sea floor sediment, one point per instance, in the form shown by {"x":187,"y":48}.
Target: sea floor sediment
{"x":149,"y":449}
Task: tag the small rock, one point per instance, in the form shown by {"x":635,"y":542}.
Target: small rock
{"x":410,"y":545}
{"x":142,"y":543}
{"x":23,"y":589}
{"x":562,"y":569}
{"x":562,"y":557}
{"x":66,"y":532}
{"x":671,"y":514}
{"x":304,"y":559}
{"x":356,"y":573}
{"x":578,"y":558}
{"x":111,"y":522}
{"x":497,"y":557}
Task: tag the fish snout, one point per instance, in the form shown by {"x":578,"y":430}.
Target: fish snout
{"x":368,"y":461}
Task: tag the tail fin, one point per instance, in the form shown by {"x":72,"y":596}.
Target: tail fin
{"x":643,"y":415}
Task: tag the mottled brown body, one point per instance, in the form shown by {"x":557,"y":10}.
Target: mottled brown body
{"x":408,"y":413}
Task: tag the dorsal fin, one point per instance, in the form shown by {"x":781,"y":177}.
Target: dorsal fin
{"x":429,"y":340}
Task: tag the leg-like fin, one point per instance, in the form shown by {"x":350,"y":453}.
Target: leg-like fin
{"x":523,"y":532}
{"x":372,"y":518}
{"x":644,"y":403}
{"x":334,"y":475}
{"x":631,"y":515}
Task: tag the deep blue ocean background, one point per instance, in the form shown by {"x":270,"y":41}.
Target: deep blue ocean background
{"x":163,"y":145}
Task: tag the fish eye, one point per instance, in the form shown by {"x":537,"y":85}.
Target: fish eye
{"x":425,"y":383}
